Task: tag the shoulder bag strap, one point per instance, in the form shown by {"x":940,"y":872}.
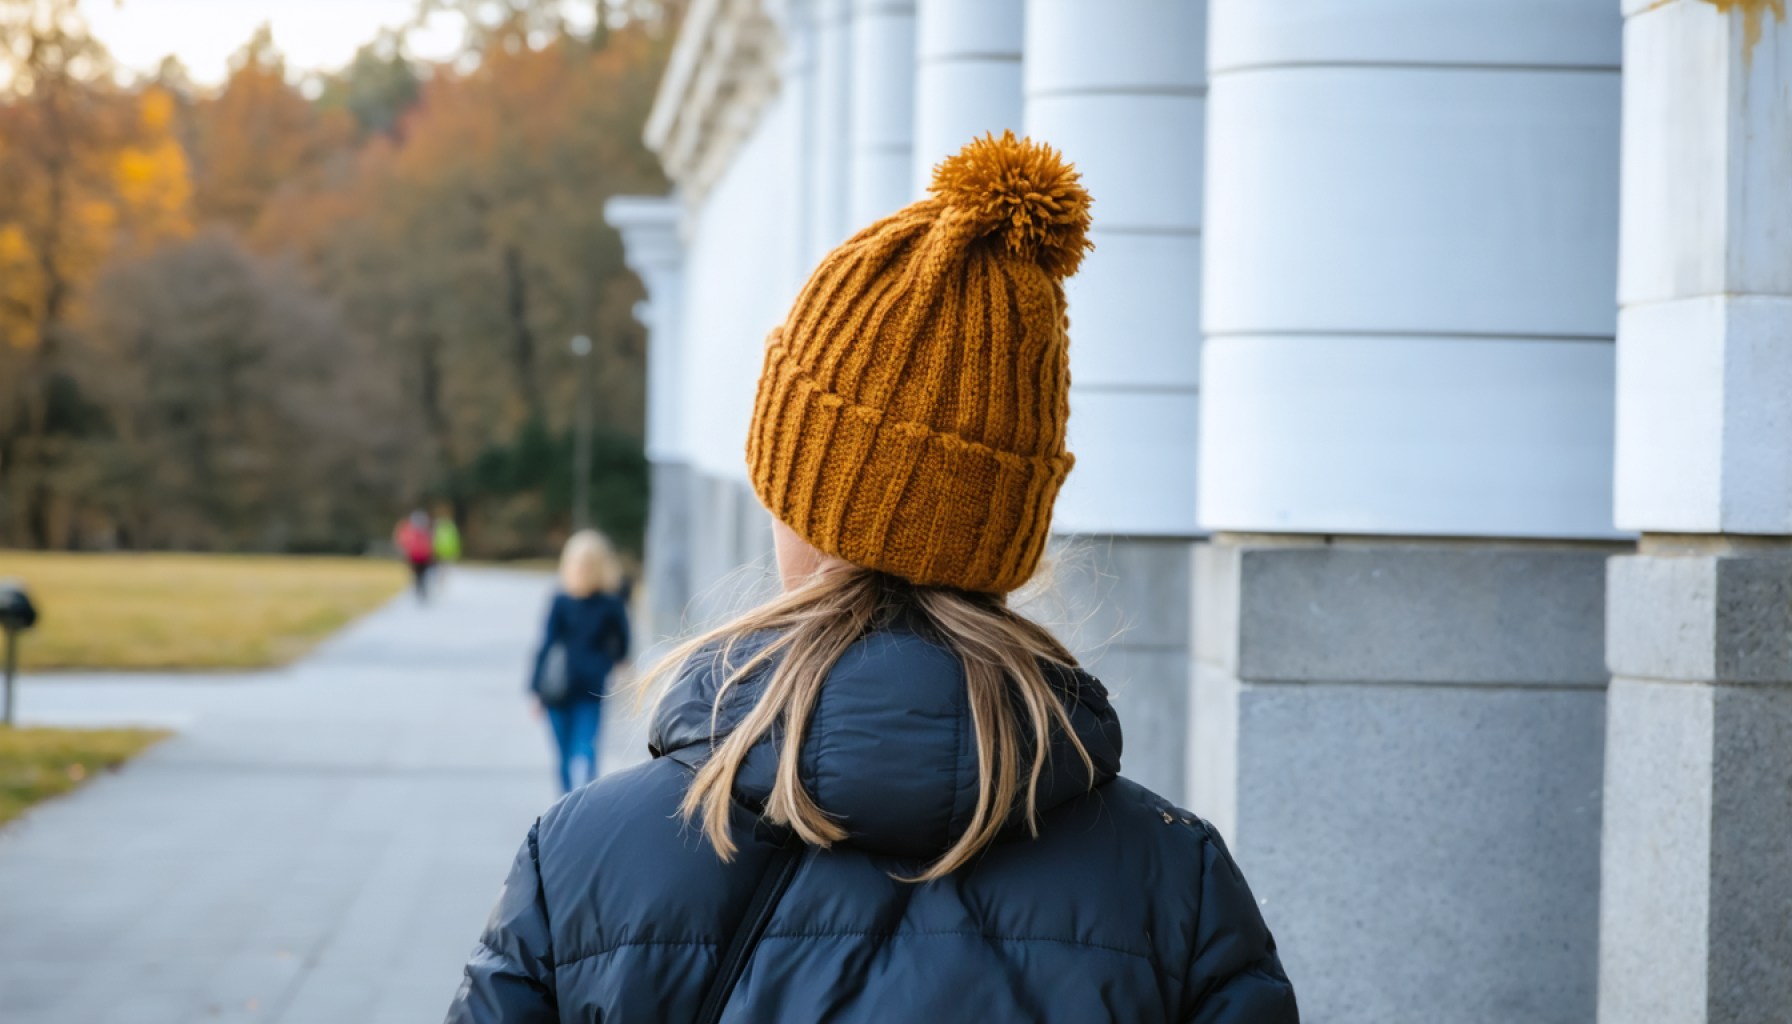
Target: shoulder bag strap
{"x":776,"y":879}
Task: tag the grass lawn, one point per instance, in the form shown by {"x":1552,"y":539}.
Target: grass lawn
{"x":36,"y":764}
{"x":154,"y":611}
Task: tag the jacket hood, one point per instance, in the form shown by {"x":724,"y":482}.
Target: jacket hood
{"x":891,"y":752}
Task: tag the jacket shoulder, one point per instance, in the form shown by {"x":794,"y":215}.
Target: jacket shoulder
{"x":1146,"y":825}
{"x":1231,"y":968}
{"x":624,"y":824}
{"x":621,"y":871}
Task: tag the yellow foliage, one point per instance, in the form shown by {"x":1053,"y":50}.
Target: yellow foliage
{"x":154,"y":190}
{"x":155,"y":110}
{"x":19,"y":288}
{"x":151,"y":178}
{"x":122,"y":181}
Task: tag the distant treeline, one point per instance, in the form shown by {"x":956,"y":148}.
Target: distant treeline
{"x":276,"y":315}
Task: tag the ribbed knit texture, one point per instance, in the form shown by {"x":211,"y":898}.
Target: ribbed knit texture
{"x":911,"y":413}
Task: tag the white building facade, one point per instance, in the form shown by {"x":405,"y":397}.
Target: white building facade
{"x":1432,"y":403}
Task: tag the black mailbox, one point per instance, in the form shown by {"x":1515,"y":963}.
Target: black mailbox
{"x":16,"y":610}
{"x":16,"y":614}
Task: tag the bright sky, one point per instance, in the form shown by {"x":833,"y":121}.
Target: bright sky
{"x":313,"y":34}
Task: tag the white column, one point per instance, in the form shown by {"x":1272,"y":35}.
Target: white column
{"x":654,"y":250}
{"x":1409,"y":282}
{"x":1705,"y":335}
{"x":649,"y":226}
{"x":796,"y":112}
{"x":1409,"y":271}
{"x":1120,"y":87}
{"x":967,"y":77}
{"x":830,"y":129}
{"x":883,"y":108}
{"x":1696,"y":880}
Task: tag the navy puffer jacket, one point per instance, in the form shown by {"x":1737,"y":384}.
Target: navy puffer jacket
{"x":1123,"y":909}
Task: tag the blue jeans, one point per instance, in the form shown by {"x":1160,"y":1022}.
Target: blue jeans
{"x":575,"y":736}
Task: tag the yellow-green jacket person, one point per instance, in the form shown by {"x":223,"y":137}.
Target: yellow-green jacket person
{"x":447,"y":539}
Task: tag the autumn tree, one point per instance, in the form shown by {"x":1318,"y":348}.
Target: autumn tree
{"x":378,"y":87}
{"x":248,"y":319}
{"x":259,"y":136}
{"x":240,"y":414}
{"x":472,"y":246}
{"x":85,"y":172}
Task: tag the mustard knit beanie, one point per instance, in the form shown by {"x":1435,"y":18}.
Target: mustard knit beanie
{"x":910,"y":416}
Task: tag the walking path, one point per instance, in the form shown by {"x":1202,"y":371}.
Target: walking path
{"x":318,"y":845}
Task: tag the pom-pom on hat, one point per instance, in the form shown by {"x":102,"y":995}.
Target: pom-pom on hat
{"x":910,"y":417}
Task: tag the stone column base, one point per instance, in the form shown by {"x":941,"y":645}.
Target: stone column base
{"x":1121,"y":604}
{"x":730,"y":541}
{"x":1404,"y":742}
{"x":666,"y":586}
{"x":1696,"y":890}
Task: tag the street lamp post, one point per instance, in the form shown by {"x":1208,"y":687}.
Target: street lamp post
{"x":581,"y":441}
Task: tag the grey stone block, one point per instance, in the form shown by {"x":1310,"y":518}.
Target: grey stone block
{"x":1212,"y":757}
{"x":1702,"y":617}
{"x":1422,"y":613}
{"x":753,"y":547}
{"x":1117,"y":591}
{"x":1150,"y":690}
{"x":715,"y":547}
{"x":1122,"y":604}
{"x":1698,"y":864}
{"x":1406,"y":741}
{"x":753,"y":526}
{"x":1660,"y":617}
{"x":1754,"y":618}
{"x":1655,"y":873}
{"x":1696,"y":914}
{"x":1750,"y":920}
{"x":1218,"y":588}
{"x":732,"y":565}
{"x":1426,"y":854}
{"x":668,"y":570}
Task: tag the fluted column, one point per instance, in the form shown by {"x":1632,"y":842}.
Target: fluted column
{"x":1408,"y":280}
{"x":883,"y":109}
{"x":651,"y":245}
{"x":796,"y":113}
{"x":967,"y":77}
{"x":830,"y":129}
{"x":1696,"y":887}
{"x":1120,"y":86}
{"x":1411,"y":328}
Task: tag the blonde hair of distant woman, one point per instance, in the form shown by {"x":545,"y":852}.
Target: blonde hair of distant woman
{"x":588,"y":565}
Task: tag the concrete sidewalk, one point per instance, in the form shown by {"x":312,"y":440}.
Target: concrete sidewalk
{"x":318,"y":845}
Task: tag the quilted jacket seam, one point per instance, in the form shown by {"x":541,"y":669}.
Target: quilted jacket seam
{"x":884,"y":936}
{"x":607,"y":950}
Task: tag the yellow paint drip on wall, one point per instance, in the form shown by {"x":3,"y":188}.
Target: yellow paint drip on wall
{"x":1753,"y":15}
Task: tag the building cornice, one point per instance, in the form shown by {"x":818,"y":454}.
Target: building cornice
{"x":721,"y":75}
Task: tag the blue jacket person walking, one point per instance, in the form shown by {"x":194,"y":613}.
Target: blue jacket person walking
{"x":587,"y":635}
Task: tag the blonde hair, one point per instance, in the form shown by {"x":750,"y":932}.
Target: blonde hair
{"x":1013,"y":708}
{"x":588,"y":565}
